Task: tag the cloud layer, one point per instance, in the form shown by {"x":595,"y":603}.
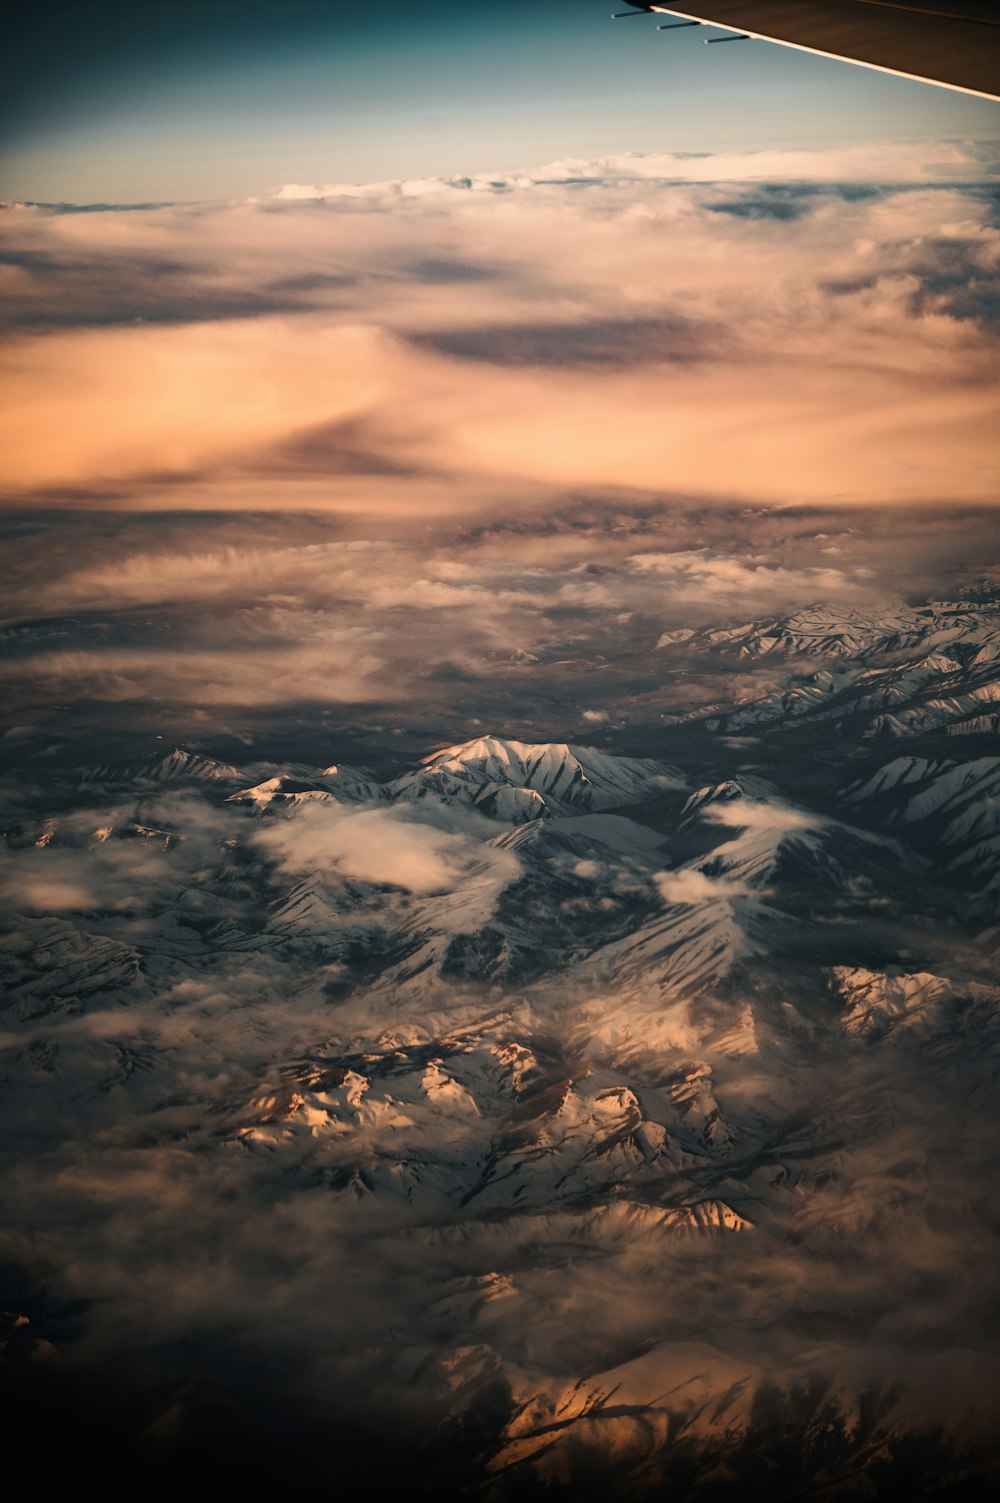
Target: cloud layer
{"x":441,"y":447}
{"x":772,"y":328}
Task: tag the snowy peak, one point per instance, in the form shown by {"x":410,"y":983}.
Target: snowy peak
{"x":296,"y":785}
{"x":835,"y":631}
{"x":910,"y":790}
{"x":176,"y":766}
{"x":767,"y":848}
{"x":875,"y":1003}
{"x":896,"y":671}
{"x":733,"y":789}
{"x":519,"y":780}
{"x":953,"y":807}
{"x":281,"y":791}
{"x":758,"y":824}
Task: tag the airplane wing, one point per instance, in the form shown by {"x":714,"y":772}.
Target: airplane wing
{"x":955,"y":43}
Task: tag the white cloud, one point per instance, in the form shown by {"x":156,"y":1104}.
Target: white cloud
{"x":689,"y":885}
{"x":877,"y":162}
{"x":862,"y":162}
{"x":750,"y":814}
{"x":391,"y":846}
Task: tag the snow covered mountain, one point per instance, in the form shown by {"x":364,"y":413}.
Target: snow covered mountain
{"x":707,"y":1056}
{"x":513,"y":780}
{"x":176,"y":766}
{"x":300,"y":784}
{"x":834,"y":631}
{"x":902,"y":672}
{"x":951,"y":808}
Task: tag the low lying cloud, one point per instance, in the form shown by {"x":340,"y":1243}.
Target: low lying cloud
{"x":392,"y":846}
{"x":748,"y":814}
{"x":690,"y":885}
{"x":699,"y":575}
{"x":311,"y":671}
{"x":51,"y":879}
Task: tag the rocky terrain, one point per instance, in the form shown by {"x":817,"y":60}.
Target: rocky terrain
{"x":587,"y":1111}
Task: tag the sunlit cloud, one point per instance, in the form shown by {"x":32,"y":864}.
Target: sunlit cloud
{"x":691,"y":885}
{"x":399,"y":847}
{"x":768,"y":343}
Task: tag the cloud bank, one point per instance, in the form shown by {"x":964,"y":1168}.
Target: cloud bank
{"x":774,"y":328}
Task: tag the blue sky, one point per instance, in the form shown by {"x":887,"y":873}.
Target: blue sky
{"x":221,"y":100}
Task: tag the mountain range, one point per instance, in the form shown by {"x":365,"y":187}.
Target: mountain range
{"x":649,"y":1097}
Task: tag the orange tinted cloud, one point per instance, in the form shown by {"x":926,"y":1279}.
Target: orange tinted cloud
{"x":432,"y":352}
